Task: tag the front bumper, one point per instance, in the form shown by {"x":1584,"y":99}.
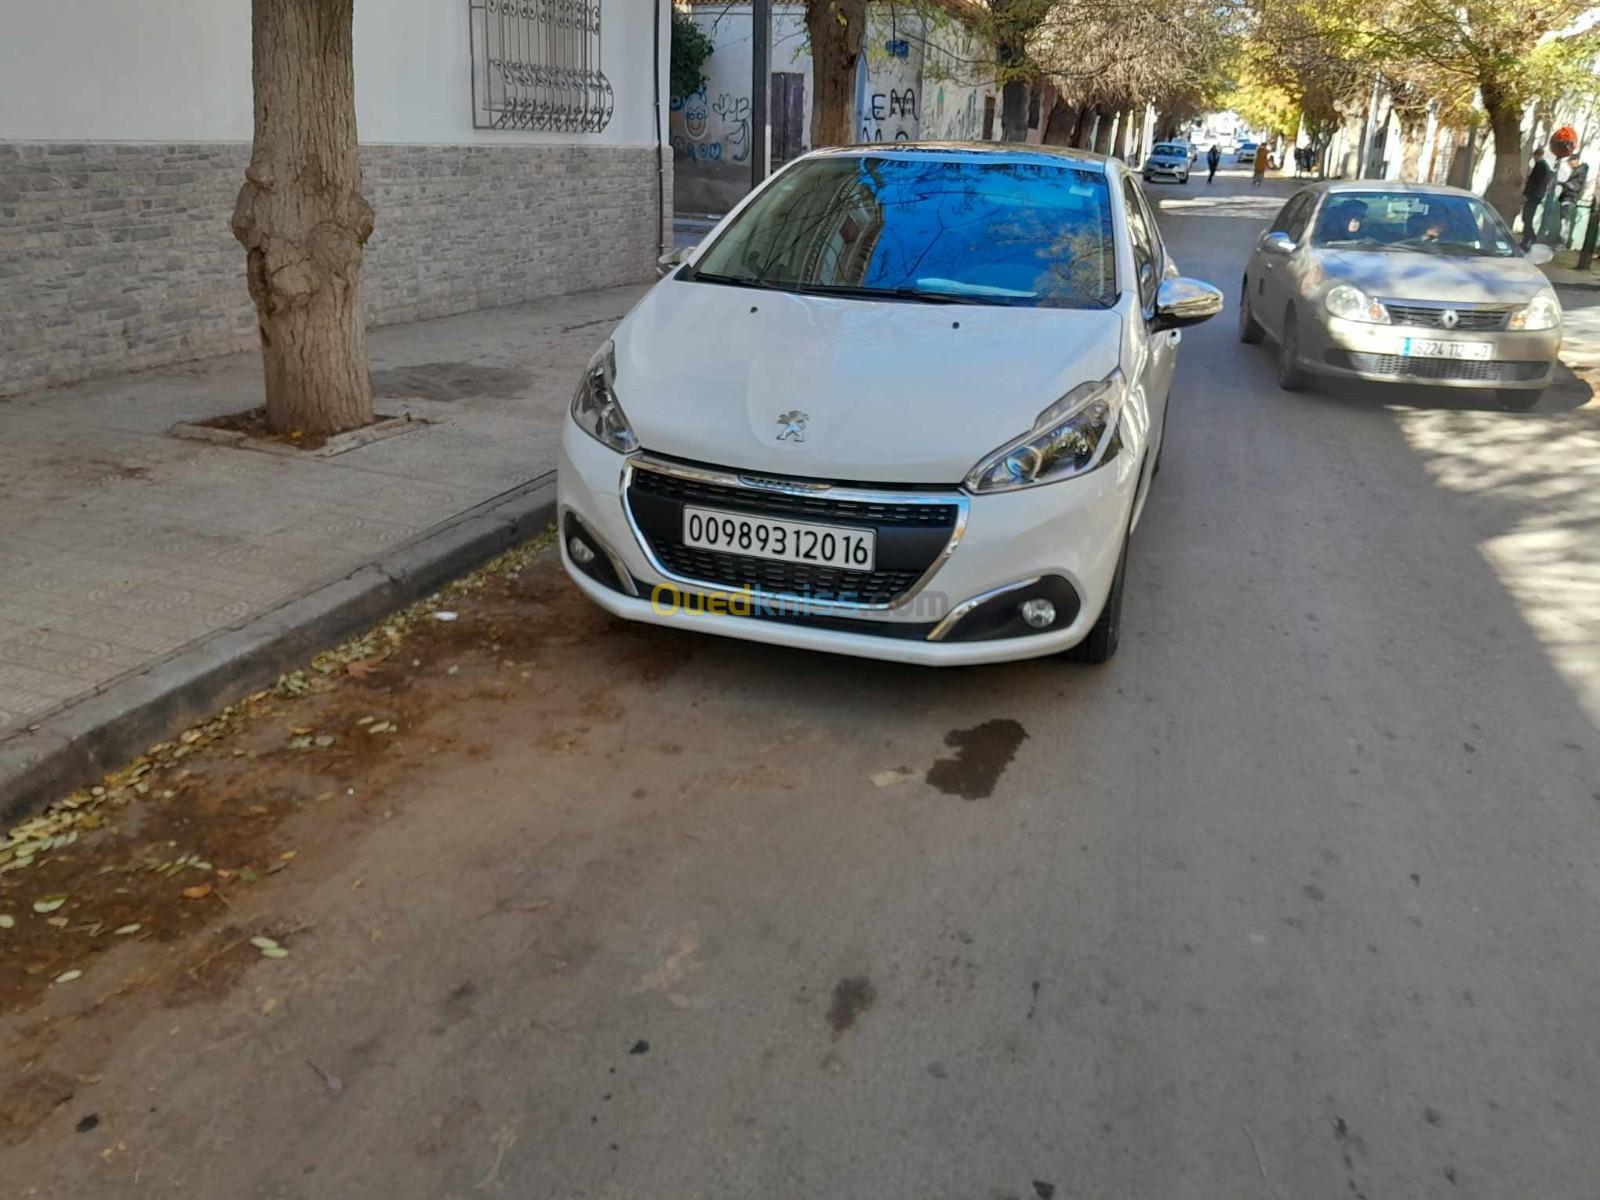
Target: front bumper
{"x":1174,"y":170}
{"x":1339,"y":348}
{"x":1066,"y":534}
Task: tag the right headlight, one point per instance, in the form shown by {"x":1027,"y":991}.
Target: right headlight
{"x":1068,"y":438}
{"x":1542,"y":312}
{"x":595,"y":407}
{"x":1353,"y":304}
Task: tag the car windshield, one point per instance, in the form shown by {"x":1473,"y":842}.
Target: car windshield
{"x":1416,"y":222}
{"x":919,"y":228}
{"x":1169,"y":148}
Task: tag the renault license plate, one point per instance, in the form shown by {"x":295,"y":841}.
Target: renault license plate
{"x":786,"y":541}
{"x":1434,"y":348}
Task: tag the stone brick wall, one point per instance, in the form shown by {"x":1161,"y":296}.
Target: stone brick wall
{"x":118,"y":256}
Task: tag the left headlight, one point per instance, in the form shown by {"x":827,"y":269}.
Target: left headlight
{"x":1068,"y":438}
{"x":595,"y":407}
{"x":1353,"y":304}
{"x":1542,"y":312}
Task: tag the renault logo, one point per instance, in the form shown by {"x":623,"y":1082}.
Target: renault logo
{"x":1449,"y":318}
{"x":792,"y":426}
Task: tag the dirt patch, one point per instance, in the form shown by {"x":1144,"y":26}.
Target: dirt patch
{"x":165,"y":849}
{"x":252,"y":423}
{"x":449,"y":381}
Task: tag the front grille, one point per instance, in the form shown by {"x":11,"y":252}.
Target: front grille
{"x":784,"y":579}
{"x":1465,"y":370}
{"x":791,"y":504}
{"x":1431,"y":316}
{"x":909,"y":538}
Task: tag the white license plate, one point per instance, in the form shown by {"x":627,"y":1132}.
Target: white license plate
{"x":786,"y":541}
{"x":1433,"y":348}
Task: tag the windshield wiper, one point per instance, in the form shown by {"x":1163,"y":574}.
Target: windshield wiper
{"x":737,"y":281}
{"x":897,"y":293}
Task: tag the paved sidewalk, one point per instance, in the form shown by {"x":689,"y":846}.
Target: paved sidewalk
{"x":121,"y":544}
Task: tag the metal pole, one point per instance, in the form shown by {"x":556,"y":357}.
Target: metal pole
{"x":1586,"y":254}
{"x":760,"y":89}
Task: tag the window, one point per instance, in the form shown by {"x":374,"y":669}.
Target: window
{"x":536,"y":65}
{"x":924,"y":227}
{"x":1146,"y":264}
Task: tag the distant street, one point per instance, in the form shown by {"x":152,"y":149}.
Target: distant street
{"x":1296,"y":899}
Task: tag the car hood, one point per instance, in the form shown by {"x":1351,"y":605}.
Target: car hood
{"x":891,"y":392}
{"x":1168,"y":160}
{"x":1400,"y":275}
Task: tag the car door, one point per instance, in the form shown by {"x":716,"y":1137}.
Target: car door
{"x":1158,"y":351}
{"x":1270,"y":282}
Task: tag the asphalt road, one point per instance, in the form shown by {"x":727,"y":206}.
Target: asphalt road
{"x":1296,"y":899}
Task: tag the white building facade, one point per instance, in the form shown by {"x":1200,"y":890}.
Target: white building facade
{"x":125,"y":129}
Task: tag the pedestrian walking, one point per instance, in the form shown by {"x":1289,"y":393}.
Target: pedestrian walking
{"x":1541,"y":212}
{"x":1213,"y":159}
{"x":1263,"y":157}
{"x":1571,"y":190}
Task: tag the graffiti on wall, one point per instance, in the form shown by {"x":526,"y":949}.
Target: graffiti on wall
{"x":958,"y":121}
{"x":891,"y":116}
{"x":692,"y":118}
{"x":735,"y":114}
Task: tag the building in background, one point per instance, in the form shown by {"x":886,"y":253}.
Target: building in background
{"x":919,"y":77}
{"x":125,"y":129}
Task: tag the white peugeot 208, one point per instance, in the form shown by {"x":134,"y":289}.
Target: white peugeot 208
{"x":903,"y":402}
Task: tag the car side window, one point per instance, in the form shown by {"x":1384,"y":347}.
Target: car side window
{"x":1146,"y":267}
{"x":1301,"y":217}
{"x":1292,"y":217}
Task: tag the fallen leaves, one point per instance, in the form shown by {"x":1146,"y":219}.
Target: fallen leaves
{"x":69,"y":976}
{"x":48,"y":904}
{"x":198,"y":892}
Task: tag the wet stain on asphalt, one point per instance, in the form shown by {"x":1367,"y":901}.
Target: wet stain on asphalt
{"x":851,"y":998}
{"x":982,"y":754}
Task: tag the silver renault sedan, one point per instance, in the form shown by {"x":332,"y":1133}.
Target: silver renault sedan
{"x":1403,"y":283}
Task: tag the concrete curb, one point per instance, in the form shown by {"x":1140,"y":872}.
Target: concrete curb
{"x":80,"y":741}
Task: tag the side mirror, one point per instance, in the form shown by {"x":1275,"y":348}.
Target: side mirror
{"x":1181,"y":302}
{"x":672,"y":260}
{"x":1278,"y":242}
{"x":1540,"y":254}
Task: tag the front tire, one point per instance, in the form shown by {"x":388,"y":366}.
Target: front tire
{"x":1250,"y":333}
{"x":1291,"y":378}
{"x":1102,"y":641}
{"x":1518,"y":399}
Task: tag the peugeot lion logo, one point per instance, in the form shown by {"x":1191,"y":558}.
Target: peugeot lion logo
{"x":1449,"y":318}
{"x":792,"y":426}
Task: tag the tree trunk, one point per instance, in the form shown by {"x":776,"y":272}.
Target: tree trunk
{"x":1102,"y":135}
{"x":836,"y":29}
{"x":1505,"y":120}
{"x":302,"y":219}
{"x":1413,"y":132}
{"x":1058,"y":126}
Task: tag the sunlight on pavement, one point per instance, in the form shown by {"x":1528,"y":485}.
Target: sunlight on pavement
{"x":1260,"y":206}
{"x":1538,"y":480}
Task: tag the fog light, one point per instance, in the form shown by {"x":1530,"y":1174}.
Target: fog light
{"x":583,"y":555}
{"x":1038,"y":613}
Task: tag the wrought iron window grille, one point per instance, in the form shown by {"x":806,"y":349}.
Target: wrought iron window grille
{"x":536,"y":66}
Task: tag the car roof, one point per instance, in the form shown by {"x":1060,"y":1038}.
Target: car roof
{"x":1016,"y":152}
{"x":1355,"y":186}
